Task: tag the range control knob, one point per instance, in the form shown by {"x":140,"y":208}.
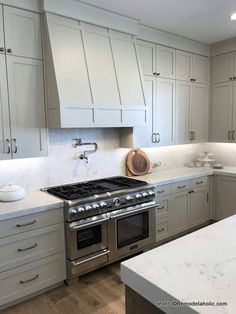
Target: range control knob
{"x":144,"y":194}
{"x":95,"y":206}
{"x":116,"y":202}
{"x":138,"y":195}
{"x":103,"y":204}
{"x":80,"y":209}
{"x":88,"y":207}
{"x":151,"y":193}
{"x":73,"y":211}
{"x":129,"y":198}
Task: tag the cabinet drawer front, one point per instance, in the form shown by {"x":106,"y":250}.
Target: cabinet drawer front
{"x":162,"y":229}
{"x":196,"y":183}
{"x":30,"y":222}
{"x":30,"y":278}
{"x":29,"y":246}
{"x":163,"y":190}
{"x":181,"y":186}
{"x":163,"y":208}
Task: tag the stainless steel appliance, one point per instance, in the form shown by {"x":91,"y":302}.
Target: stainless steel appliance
{"x":105,"y":220}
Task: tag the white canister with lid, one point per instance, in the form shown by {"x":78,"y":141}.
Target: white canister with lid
{"x":11,"y":192}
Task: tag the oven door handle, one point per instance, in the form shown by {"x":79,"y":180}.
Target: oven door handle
{"x":90,"y":258}
{"x":134,"y":211}
{"x":88,"y":224}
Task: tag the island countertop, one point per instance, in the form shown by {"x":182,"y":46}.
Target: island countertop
{"x":199,"y":267}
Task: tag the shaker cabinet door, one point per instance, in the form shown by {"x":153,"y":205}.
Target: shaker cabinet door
{"x":165,"y":62}
{"x":200,"y":69}
{"x":199,"y":112}
{"x":22,"y":33}
{"x":180,"y":212}
{"x":163,"y":111}
{"x":199,"y":211}
{"x":147,"y":56}
{"x":223,"y":67}
{"x":183,"y":65}
{"x":222,"y":110}
{"x":5,"y":140}
{"x":2,"y":43}
{"x":26,"y":99}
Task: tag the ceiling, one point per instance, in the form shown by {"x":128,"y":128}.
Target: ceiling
{"x":207,"y":21}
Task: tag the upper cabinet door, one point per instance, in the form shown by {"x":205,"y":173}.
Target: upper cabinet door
{"x":100,"y":66}
{"x":26,"y":99}
{"x":125,"y":59}
{"x":2,"y":43}
{"x":69,"y":62}
{"x":223,"y":68}
{"x":199,"y":112}
{"x":183,"y":66}
{"x":200,"y":69}
{"x":182,"y":116}
{"x":5,"y":151}
{"x":22,"y":33}
{"x":222,"y":110}
{"x":147,"y":56}
{"x":165,"y":62}
{"x":163,"y":111}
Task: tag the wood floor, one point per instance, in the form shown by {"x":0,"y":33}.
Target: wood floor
{"x":100,"y":292}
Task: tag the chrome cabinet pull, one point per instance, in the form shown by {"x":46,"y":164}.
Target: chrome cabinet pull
{"x":229,"y":135}
{"x":154,"y":137}
{"x":160,"y":207}
{"x":194,"y":136}
{"x":9,"y":50}
{"x":16,"y":148}
{"x":199,"y":182}
{"x":29,"y":280}
{"x":160,"y":230}
{"x":159,"y":138}
{"x":182,"y":186}
{"x":8,"y":146}
{"x":105,"y":252}
{"x":190,"y":135}
{"x":26,"y":224}
{"x":161,"y":191}
{"x":28,"y":248}
{"x":2,"y":49}
{"x":230,"y":78}
{"x":232,"y":135}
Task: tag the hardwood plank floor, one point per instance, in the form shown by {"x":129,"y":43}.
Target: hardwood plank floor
{"x":100,"y":292}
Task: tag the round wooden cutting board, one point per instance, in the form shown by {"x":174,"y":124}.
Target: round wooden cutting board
{"x":137,"y":163}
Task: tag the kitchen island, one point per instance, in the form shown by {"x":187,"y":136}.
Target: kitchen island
{"x":193,"y":274}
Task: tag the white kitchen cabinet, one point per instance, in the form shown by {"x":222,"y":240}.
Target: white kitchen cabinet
{"x":199,"y":209}
{"x":225,"y":197}
{"x":199,"y":113}
{"x":191,"y":67}
{"x":27,"y":111}
{"x":163,"y":228}
{"x":157,"y":60}
{"x":163,"y":112}
{"x":2,"y":43}
{"x":182,"y":112}
{"x":22,"y":33}
{"x":5,"y":135}
{"x":222,"y":111}
{"x":180,"y":212}
{"x":223,"y":68}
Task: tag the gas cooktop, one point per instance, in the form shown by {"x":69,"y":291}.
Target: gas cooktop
{"x":77,"y":191}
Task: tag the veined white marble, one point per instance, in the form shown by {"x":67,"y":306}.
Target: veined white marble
{"x":199,"y":267}
{"x":34,"y":202}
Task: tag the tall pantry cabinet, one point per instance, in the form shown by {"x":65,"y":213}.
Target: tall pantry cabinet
{"x":22,"y":107}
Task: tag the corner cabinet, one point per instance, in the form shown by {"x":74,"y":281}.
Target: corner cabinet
{"x":99,"y":77}
{"x":22,"y":107}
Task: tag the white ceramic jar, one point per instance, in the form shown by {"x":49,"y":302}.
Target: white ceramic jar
{"x":10,"y":193}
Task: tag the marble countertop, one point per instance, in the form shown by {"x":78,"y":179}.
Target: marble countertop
{"x":160,"y":177}
{"x":34,"y":202}
{"x":199,"y":267}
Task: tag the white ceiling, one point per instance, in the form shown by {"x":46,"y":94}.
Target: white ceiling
{"x":207,"y":21}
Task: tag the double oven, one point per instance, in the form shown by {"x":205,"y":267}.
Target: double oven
{"x":97,"y":240}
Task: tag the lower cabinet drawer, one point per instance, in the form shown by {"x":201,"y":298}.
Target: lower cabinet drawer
{"x":30,"y":278}
{"x":163,"y":208}
{"x":181,"y":186}
{"x":163,"y":229}
{"x":32,"y":245}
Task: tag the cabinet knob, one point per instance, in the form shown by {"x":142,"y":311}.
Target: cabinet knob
{"x":229,"y":135}
{"x":9,"y":50}
{"x":2,"y":49}
{"x":158,"y":74}
{"x":234,"y":77}
{"x":230,"y":78}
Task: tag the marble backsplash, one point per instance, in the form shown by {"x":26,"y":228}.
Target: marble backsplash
{"x":62,"y":165}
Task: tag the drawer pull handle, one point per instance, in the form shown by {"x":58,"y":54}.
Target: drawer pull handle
{"x":28,"y":248}
{"x":29,"y":280}
{"x":161,"y":191}
{"x":199,"y":182}
{"x":182,"y":186}
{"x":160,"y":207}
{"x":160,"y":230}
{"x":26,"y":224}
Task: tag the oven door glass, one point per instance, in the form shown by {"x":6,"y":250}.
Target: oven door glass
{"x":132,"y":229}
{"x":89,"y":236}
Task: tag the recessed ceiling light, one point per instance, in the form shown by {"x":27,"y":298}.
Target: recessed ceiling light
{"x":233,"y":16}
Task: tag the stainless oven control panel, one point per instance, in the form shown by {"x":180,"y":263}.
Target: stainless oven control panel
{"x":107,"y":205}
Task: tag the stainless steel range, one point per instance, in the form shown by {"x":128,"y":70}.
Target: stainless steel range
{"x":106,"y":219}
